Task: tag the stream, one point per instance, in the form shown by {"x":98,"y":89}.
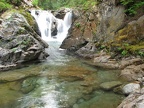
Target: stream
{"x":60,"y":81}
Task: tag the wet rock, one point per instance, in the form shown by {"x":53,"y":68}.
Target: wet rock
{"x":133,"y":72}
{"x":87,"y":51}
{"x":134,"y":100}
{"x":110,"y":85}
{"x":15,"y":85}
{"x":131,"y":87}
{"x":104,"y":60}
{"x":118,"y":89}
{"x":6,"y":77}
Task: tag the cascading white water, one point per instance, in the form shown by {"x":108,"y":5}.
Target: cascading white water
{"x":47,"y":22}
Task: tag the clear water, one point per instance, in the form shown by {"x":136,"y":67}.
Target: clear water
{"x":62,"y":81}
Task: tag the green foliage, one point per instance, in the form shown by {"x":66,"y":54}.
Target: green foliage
{"x":35,"y":2}
{"x":14,"y":49}
{"x":4,"y":6}
{"x":141,"y":53}
{"x":90,"y":3}
{"x":124,"y":52}
{"x":78,"y":25}
{"x":132,"y":6}
{"x":14,"y":2}
{"x":56,"y":4}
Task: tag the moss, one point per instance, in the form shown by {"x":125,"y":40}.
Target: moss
{"x":135,"y":48}
{"x":28,"y":17}
{"x":121,"y":38}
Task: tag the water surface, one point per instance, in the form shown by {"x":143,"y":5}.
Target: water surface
{"x":62,"y":81}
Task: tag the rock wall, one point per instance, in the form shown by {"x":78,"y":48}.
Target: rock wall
{"x":82,"y":30}
{"x":105,"y":26}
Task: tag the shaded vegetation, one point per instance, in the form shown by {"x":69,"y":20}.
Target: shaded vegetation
{"x":132,"y":6}
{"x":4,"y":5}
{"x":56,"y":4}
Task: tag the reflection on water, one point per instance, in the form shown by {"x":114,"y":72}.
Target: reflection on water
{"x":60,"y":82}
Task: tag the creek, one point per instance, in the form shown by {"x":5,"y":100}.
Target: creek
{"x":61,"y":81}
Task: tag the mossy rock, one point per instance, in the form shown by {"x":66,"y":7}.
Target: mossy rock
{"x":137,"y":47}
{"x":29,"y":19}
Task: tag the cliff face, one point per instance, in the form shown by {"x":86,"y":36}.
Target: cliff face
{"x":106,"y":26}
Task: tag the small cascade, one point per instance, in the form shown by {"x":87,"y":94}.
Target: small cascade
{"x":52,"y":28}
{"x":68,"y":19}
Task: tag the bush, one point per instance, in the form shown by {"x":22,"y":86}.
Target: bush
{"x":35,"y":2}
{"x":4,"y":6}
{"x":56,"y":4}
{"x":132,"y":6}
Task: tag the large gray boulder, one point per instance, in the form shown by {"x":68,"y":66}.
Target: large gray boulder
{"x":18,"y":41}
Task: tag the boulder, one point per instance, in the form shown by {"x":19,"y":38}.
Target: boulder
{"x":18,"y":40}
{"x":131,"y":87}
{"x":134,"y":100}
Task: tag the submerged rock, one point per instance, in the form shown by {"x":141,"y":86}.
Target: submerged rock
{"x":110,"y":85}
{"x":28,"y":85}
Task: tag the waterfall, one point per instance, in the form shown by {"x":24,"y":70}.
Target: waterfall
{"x":52,"y":28}
{"x":68,"y":19}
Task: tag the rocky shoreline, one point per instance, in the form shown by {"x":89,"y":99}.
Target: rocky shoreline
{"x":104,"y":36}
{"x":98,"y":35}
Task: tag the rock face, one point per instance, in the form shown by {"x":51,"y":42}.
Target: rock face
{"x":105,"y":26}
{"x":110,"y":17}
{"x":97,"y":25}
{"x":18,"y":41}
{"x":82,"y":30}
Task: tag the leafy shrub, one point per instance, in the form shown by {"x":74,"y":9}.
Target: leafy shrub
{"x":4,"y":6}
{"x":132,"y":6}
{"x":55,"y":4}
{"x":35,"y":2}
